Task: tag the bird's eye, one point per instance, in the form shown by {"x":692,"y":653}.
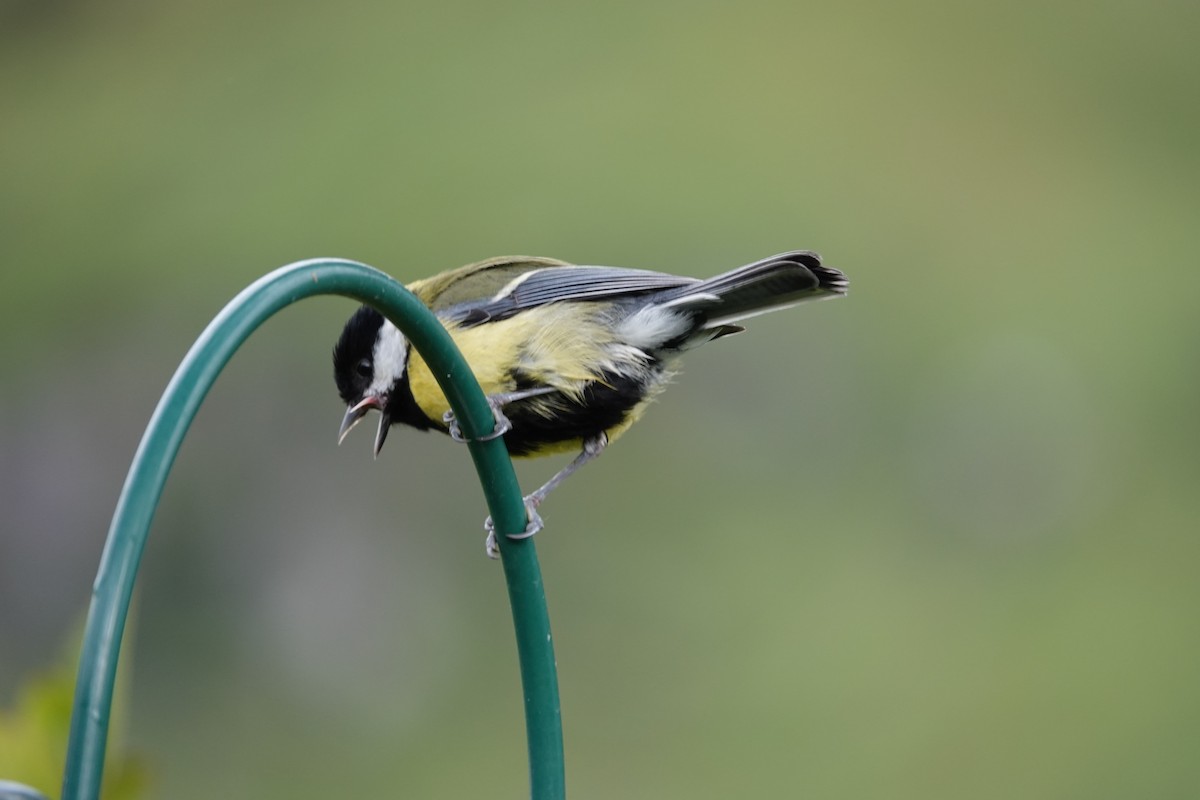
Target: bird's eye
{"x":363,"y":368}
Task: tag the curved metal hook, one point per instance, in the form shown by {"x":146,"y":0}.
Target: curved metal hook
{"x":143,"y":487}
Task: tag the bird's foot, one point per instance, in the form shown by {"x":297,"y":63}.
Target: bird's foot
{"x":496,"y":402}
{"x":534,"y":525}
{"x":503,"y":424}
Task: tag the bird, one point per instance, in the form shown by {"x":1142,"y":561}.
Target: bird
{"x":569,"y":356}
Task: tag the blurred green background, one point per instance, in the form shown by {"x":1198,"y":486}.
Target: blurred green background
{"x":935,"y":540}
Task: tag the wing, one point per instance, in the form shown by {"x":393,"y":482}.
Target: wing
{"x":477,"y":281}
{"x":586,"y":283}
{"x":554,"y":284}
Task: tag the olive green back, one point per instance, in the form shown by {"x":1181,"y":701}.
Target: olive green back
{"x":477,"y":281}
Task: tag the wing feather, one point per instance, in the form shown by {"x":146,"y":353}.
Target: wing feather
{"x":588,"y":283}
{"x":563,"y":283}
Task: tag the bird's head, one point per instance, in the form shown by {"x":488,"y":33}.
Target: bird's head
{"x":370,"y":362}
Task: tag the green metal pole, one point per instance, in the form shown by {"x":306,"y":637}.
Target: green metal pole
{"x":139,"y":498}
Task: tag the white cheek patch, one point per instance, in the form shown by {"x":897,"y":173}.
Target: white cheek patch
{"x":390,"y":357}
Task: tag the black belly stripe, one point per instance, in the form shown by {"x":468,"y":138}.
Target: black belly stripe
{"x":605,"y":404}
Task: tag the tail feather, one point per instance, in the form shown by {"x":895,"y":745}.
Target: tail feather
{"x":773,"y":283}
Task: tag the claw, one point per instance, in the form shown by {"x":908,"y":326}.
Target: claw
{"x":535,"y":522}
{"x":533,"y":525}
{"x":503,"y":426}
{"x":452,"y":427}
{"x":496,"y":402}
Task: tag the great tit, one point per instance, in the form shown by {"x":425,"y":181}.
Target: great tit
{"x":568,"y":355}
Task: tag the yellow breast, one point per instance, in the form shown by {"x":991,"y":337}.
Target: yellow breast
{"x":553,"y":345}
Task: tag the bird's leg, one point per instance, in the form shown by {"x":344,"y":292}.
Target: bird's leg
{"x":593,"y":446}
{"x":497,"y":402}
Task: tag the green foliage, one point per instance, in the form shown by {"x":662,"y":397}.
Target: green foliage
{"x":33,"y":738}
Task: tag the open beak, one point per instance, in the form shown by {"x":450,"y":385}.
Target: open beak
{"x":356,"y":412}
